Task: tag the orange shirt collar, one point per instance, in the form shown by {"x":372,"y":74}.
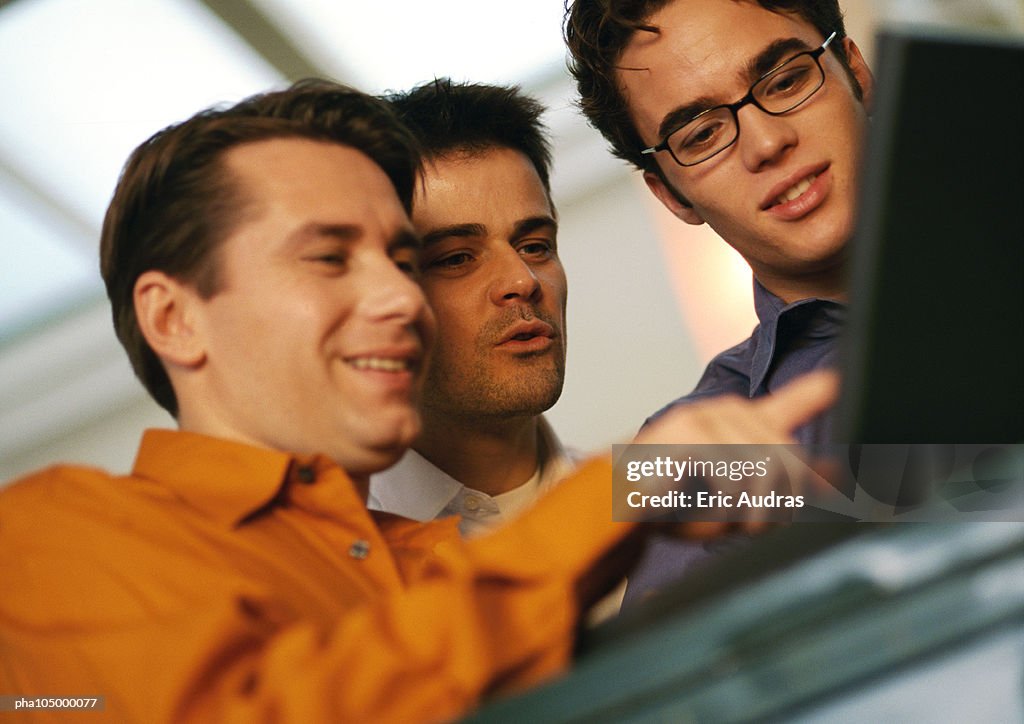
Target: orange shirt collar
{"x":226,"y":481}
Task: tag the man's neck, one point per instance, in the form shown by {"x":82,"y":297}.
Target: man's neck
{"x":492,"y":457}
{"x":829,"y":285}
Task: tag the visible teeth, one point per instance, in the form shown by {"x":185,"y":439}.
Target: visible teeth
{"x":796,"y":190}
{"x":379,"y":363}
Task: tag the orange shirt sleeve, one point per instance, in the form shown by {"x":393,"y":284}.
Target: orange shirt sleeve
{"x":491,"y":614}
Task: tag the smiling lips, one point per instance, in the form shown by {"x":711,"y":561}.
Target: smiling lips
{"x":382,"y":364}
{"x":796,"y":190}
{"x":392,"y":360}
{"x":798,"y":196}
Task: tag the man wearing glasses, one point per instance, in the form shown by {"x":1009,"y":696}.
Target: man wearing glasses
{"x":747,"y":116}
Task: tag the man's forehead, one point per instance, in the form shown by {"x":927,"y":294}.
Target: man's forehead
{"x":292,"y":156}
{"x":442,"y":168}
{"x":466,"y":182}
{"x":702,"y":33}
{"x":301,"y":191}
{"x":309,"y":171}
{"x":704,"y":50}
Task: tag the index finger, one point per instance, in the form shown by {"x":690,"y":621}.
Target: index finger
{"x":800,"y":400}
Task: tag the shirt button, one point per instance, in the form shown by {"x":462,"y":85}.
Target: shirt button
{"x":306,"y":474}
{"x":472,"y":503}
{"x":359,"y":550}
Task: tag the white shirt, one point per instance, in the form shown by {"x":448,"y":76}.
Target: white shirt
{"x":416,"y":488}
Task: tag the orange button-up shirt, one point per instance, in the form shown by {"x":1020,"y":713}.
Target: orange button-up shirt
{"x":222,"y":582}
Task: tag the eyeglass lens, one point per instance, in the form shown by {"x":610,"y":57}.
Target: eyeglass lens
{"x":782,"y":90}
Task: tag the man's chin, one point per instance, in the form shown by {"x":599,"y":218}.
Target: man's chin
{"x":380,"y":449}
{"x":371,"y":461}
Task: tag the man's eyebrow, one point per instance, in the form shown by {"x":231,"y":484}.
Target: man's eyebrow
{"x":405,"y":238}
{"x":682,"y":115}
{"x":313,"y":230}
{"x":531,"y":224}
{"x":454,"y":230}
{"x":776,"y":52}
{"x":773,"y":54}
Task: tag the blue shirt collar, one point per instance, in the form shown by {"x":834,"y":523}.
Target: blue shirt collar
{"x":816,"y":318}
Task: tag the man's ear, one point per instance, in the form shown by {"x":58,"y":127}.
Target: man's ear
{"x":165,"y":308}
{"x":671,"y":199}
{"x":861,"y":71}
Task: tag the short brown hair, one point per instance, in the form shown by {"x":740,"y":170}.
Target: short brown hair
{"x":597,"y":32}
{"x":176,"y":201}
{"x":448,"y":117}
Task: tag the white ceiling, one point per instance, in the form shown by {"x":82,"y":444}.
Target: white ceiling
{"x":85,"y":82}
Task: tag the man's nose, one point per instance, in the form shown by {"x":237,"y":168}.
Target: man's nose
{"x":764,"y":139}
{"x":514,"y":279}
{"x":388,"y":294}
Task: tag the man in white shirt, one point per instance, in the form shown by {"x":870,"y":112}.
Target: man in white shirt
{"x":491,"y":272}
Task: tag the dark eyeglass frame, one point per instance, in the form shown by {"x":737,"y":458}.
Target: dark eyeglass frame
{"x":749,"y":98}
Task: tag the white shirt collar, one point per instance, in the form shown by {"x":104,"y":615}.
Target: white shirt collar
{"x":416,"y":488}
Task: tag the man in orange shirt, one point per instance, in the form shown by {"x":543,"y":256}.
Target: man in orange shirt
{"x":261,"y":268}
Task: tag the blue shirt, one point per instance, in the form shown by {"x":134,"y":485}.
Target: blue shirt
{"x":790,"y":340}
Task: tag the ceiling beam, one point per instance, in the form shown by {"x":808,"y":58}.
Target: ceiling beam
{"x":31,"y":195}
{"x":265,"y":37}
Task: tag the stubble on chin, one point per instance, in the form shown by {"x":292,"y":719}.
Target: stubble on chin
{"x":494,"y":385}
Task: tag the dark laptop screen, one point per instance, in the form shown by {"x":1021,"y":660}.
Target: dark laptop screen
{"x":935,"y":346}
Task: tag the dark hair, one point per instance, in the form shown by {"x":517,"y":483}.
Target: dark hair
{"x":176,"y":201}
{"x":451,"y":117}
{"x":597,"y":32}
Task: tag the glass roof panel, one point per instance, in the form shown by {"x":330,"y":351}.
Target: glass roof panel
{"x":91,"y":81}
{"x":94,"y":79}
{"x":41,"y":269}
{"x":416,"y":41}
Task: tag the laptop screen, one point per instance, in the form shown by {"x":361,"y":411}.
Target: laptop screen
{"x":935,"y":346}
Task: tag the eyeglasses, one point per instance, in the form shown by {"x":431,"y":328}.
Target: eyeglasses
{"x":778,"y":91}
